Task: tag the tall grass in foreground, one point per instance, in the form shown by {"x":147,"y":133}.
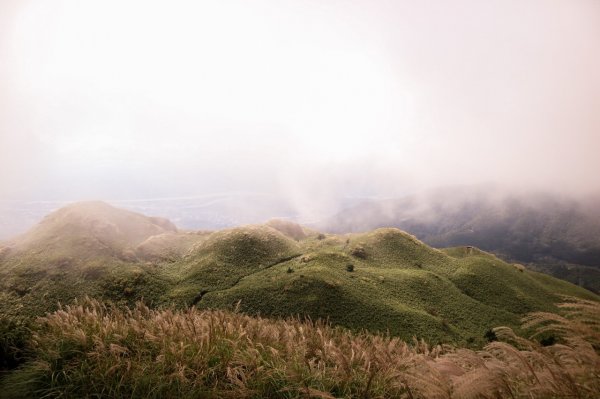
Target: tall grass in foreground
{"x":90,"y":349}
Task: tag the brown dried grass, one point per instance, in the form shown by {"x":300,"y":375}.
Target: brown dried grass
{"x":93,"y":349}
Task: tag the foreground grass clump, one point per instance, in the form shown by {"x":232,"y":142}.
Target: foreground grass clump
{"x":91,"y":349}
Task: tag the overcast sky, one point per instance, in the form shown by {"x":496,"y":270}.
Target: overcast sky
{"x":122,"y":99}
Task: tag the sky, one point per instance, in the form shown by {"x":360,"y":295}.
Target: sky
{"x":131,"y":99}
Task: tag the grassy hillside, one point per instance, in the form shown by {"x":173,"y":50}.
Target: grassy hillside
{"x":90,"y":248}
{"x":94,"y":228}
{"x":91,"y":349}
{"x":387,"y":280}
{"x":226,"y":257}
{"x":383,"y":280}
{"x":548,"y":231}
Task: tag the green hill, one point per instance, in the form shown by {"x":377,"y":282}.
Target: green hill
{"x":383,"y":280}
{"x":549,"y":233}
{"x":387,"y":280}
{"x":94,"y":228}
{"x":88,"y":248}
{"x":226,"y":257}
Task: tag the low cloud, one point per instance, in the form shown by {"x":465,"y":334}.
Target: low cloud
{"x":314,"y":102}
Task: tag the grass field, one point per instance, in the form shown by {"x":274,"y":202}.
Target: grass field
{"x":384,"y":281}
{"x":92,"y":349}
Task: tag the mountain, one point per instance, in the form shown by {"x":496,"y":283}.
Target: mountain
{"x":86,"y":248}
{"x":387,"y":280}
{"x":553,"y":234}
{"x":94,"y":228}
{"x":210,"y":211}
{"x":381,"y":280}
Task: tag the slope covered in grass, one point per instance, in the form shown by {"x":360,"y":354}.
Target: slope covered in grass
{"x":95,"y":228}
{"x":90,"y":349}
{"x":227,"y":256}
{"x":383,"y":280}
{"x":88,"y":248}
{"x":387,"y":280}
{"x":288,"y":228}
{"x":560,"y":236}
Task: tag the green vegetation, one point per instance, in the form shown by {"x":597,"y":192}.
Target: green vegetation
{"x":395,"y":282}
{"x":226,"y":257}
{"x":384,"y":281}
{"x":91,"y":349}
{"x":546,"y":232}
{"x":398,"y":284}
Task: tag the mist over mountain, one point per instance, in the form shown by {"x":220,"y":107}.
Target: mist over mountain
{"x":369,"y":99}
{"x":556,"y":233}
{"x":208,"y":212}
{"x":182,"y":182}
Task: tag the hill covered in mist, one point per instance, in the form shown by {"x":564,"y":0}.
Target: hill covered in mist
{"x":557,"y":235}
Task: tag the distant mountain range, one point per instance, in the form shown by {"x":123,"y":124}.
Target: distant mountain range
{"x":553,"y":234}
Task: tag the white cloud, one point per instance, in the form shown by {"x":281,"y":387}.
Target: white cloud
{"x":195,"y":96}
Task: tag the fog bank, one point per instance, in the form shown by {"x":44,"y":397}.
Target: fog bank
{"x":308,"y":100}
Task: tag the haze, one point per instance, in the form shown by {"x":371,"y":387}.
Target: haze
{"x":313,"y":100}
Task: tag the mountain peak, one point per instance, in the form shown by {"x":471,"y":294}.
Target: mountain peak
{"x":91,"y":226}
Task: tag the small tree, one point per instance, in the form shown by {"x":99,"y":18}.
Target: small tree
{"x":359,"y":252}
{"x":490,"y":335}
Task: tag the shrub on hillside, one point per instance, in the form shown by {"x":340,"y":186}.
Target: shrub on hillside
{"x":359,"y":252}
{"x":13,"y":337}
